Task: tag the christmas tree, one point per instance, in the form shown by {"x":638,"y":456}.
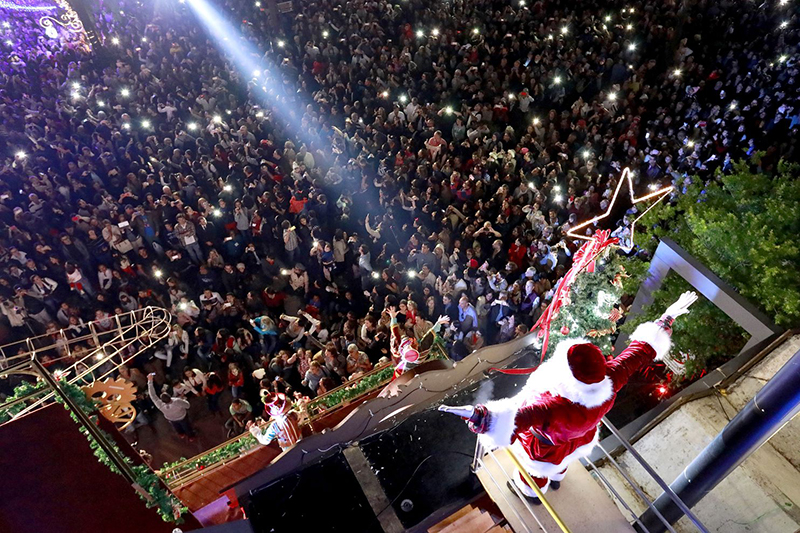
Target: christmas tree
{"x":592,"y":307}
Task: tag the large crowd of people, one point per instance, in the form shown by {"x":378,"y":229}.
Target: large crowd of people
{"x":428,"y":157}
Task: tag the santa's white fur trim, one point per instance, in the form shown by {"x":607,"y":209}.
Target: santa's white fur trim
{"x":502,"y":415}
{"x":542,"y":469}
{"x":555,"y":376}
{"x":655,"y":336}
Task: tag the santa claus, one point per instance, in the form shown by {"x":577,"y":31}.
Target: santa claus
{"x":283,"y":421}
{"x":553,"y":421}
{"x":404,"y":348}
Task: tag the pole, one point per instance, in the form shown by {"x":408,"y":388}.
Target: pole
{"x":772,"y":407}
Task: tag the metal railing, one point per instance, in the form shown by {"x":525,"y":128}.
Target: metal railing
{"x":109,"y":347}
{"x":481,"y":455}
{"x":187,"y":471}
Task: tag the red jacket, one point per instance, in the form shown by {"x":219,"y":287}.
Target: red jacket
{"x":566,"y":424}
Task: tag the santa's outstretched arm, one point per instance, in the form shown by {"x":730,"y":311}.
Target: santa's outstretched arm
{"x":650,"y":341}
{"x":498,"y":421}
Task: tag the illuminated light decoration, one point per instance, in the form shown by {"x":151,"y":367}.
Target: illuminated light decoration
{"x":690,"y":144}
{"x":411,"y":273}
{"x":448,"y":110}
{"x":676,"y":73}
{"x":661,"y":390}
{"x":216,"y":213}
{"x":420,"y":33}
{"x":126,"y":126}
{"x":144,"y":39}
{"x":608,"y":18}
{"x":511,"y":96}
{"x":325,"y":34}
{"x":612,"y":96}
{"x":784,"y":24}
{"x":385,"y":94}
{"x":629,"y":27}
{"x":403,"y":99}
{"x":158,"y":273}
{"x":375,"y":275}
{"x":732,"y":106}
{"x":115,"y":40}
{"x":281,"y":43}
{"x":536,"y":121}
{"x":20,"y":155}
{"x":626,"y":178}
{"x":475,"y":31}
{"x":632,"y":47}
{"x":587,"y":154}
{"x":564,"y":30}
{"x":183,"y":306}
{"x":13,"y":6}
{"x":435,"y":32}
{"x":101,"y":103}
{"x":653,"y":186}
{"x":125,"y":93}
{"x":557,"y":80}
{"x":146,"y":124}
{"x":631,"y":10}
{"x":192,"y":126}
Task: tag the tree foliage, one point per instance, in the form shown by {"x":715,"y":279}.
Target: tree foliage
{"x":706,"y":335}
{"x":745,"y":227}
{"x":592,"y":298}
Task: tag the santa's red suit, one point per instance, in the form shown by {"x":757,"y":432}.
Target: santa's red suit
{"x":554,"y":419}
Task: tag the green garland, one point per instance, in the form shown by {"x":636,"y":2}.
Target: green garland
{"x":358,"y":388}
{"x":168,"y":506}
{"x":233,"y":449}
{"x":23,"y":390}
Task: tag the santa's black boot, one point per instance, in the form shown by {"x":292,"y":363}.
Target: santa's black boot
{"x":555,"y":485}
{"x":532,"y":499}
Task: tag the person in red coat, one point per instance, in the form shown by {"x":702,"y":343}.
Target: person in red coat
{"x":553,"y":421}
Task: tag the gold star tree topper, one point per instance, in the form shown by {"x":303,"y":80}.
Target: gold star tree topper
{"x":626,"y":178}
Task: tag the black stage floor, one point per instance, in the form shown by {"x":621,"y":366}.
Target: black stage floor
{"x":424,"y":459}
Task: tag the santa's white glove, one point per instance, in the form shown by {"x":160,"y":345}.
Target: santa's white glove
{"x":681,"y":307}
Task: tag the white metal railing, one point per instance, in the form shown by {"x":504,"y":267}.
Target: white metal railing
{"x":130,"y":334}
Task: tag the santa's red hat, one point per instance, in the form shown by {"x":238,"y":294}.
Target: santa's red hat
{"x":586,"y":363}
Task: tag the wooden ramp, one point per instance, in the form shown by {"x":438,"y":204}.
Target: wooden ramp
{"x":581,"y":502}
